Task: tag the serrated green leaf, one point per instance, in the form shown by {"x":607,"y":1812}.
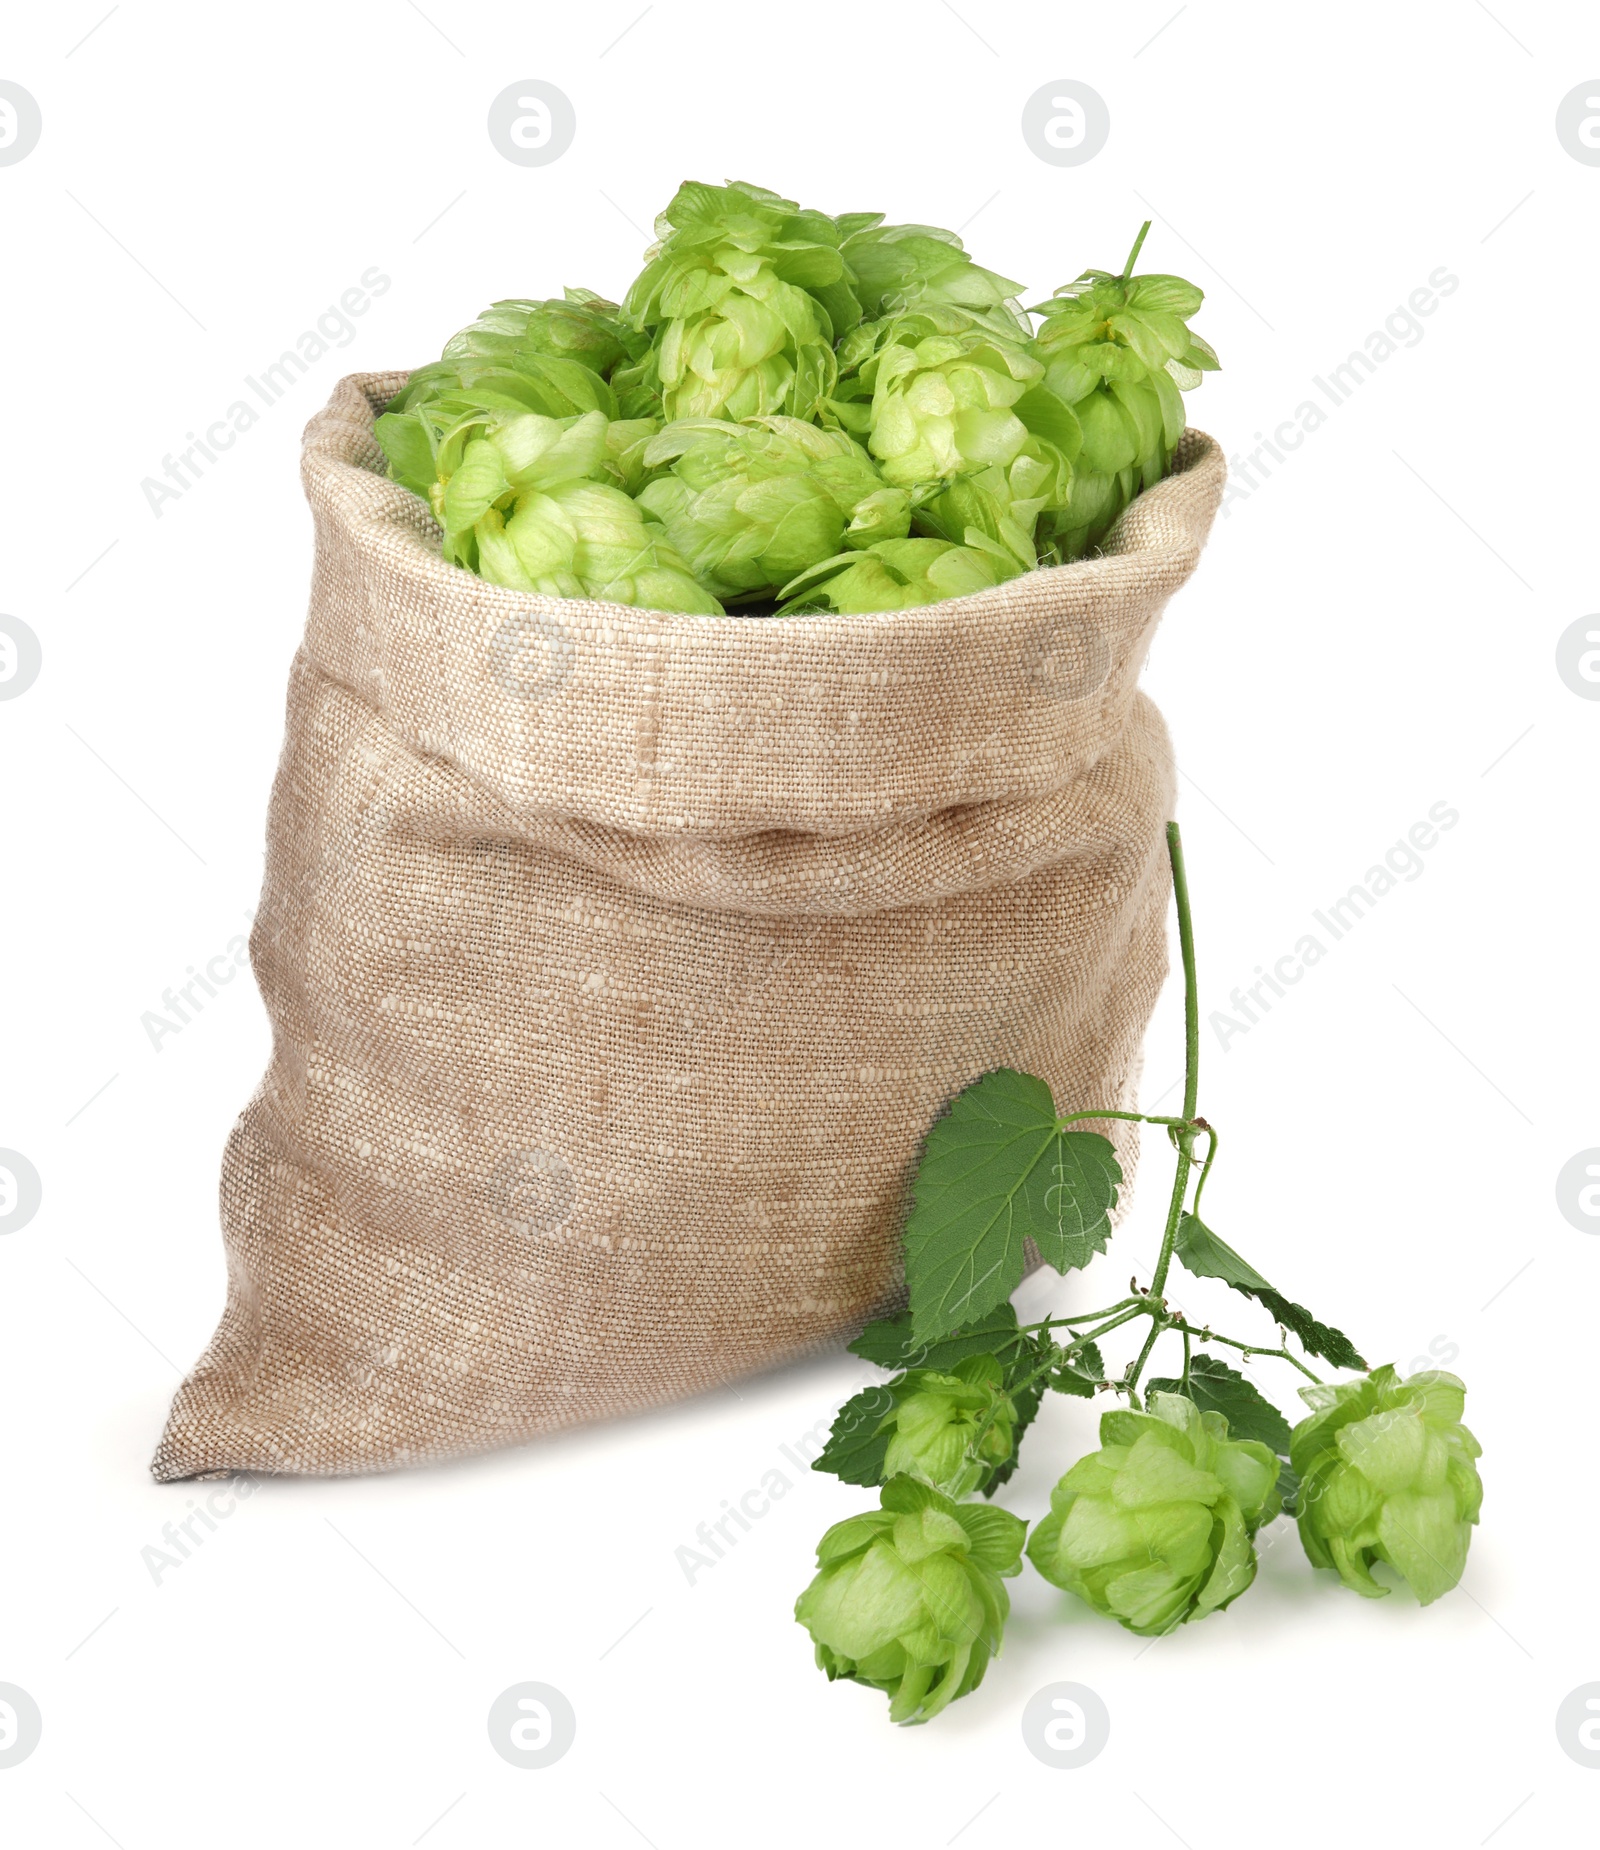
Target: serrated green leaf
{"x":1207,"y":1256}
{"x":997,"y":1170}
{"x":1203,"y":1254}
{"x":856,"y":1449}
{"x":1214,"y":1387}
{"x":890,"y":1344}
{"x":1026,"y":1401}
{"x":1082,"y":1376}
{"x":1316,"y":1338}
{"x":1289,"y":1488}
{"x":1070,"y":1194}
{"x":965,"y":1235}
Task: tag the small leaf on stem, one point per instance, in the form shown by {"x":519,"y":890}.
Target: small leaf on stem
{"x":1214,"y":1387}
{"x":1205,"y":1255}
{"x":856,"y":1449}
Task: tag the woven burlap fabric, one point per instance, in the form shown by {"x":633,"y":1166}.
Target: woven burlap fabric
{"x":617,"y":963}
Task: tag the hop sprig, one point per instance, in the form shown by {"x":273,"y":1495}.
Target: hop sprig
{"x":1158,"y":1527}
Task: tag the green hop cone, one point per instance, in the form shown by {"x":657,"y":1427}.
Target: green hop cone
{"x":531,"y":502}
{"x":895,"y":267}
{"x":413,"y":436}
{"x":908,"y":1597}
{"x":1001,"y":505}
{"x":1155,"y":1528}
{"x":1118,"y":354}
{"x":896,"y":575}
{"x":588,"y":539}
{"x":627,"y":441}
{"x":1387,"y":1474}
{"x":551,"y":357}
{"x":582,"y":326}
{"x":750,"y":506}
{"x":734,"y":297}
{"x":487,"y":458}
{"x":951,"y":1430}
{"x":942,"y":396}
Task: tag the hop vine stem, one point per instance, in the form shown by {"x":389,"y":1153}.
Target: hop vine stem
{"x":1183,"y":1135}
{"x":1183,"y":1132}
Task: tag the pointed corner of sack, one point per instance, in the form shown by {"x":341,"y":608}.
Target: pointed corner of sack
{"x":341,"y":433}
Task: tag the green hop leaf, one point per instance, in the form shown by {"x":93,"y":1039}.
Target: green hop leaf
{"x":1205,"y":1255}
{"x":890,"y":1343}
{"x":1288,"y":1488}
{"x":1214,"y":1387}
{"x":1388,"y":1473}
{"x":1071,"y":1195}
{"x":859,"y":1443}
{"x":1155,"y":1528}
{"x":997,"y":1170}
{"x":908,"y":1597}
{"x":1081,"y":1376}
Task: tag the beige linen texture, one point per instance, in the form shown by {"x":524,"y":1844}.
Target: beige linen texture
{"x":617,"y":963}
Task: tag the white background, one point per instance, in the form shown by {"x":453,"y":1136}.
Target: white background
{"x":1372,"y":631}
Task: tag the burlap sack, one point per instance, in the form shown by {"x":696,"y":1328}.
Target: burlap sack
{"x":617,"y":963}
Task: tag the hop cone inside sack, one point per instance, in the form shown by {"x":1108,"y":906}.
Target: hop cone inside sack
{"x":942,"y":397}
{"x":908,"y":1597}
{"x":749,"y":506}
{"x":1388,"y":1474}
{"x":951,"y":1430}
{"x":724,"y":296}
{"x":999,"y":506}
{"x":1154,"y":1529}
{"x":897,"y":574}
{"x":1118,"y":354}
{"x":527,"y":501}
{"x":552,"y":357}
{"x":896,"y":267}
